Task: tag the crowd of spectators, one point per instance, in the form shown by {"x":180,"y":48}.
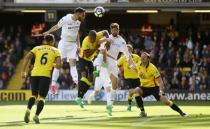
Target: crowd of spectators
{"x":11,"y":50}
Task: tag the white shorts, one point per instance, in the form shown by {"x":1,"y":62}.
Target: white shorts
{"x":103,"y":80}
{"x":112,"y":67}
{"x":68,"y":49}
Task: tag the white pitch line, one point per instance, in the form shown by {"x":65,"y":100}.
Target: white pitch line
{"x":145,"y":121}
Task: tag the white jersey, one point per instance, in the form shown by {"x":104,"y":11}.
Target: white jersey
{"x":70,"y":28}
{"x":118,"y":45}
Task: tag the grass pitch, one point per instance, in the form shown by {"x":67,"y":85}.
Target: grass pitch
{"x":67,"y":115}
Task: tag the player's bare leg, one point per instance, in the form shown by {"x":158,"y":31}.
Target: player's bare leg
{"x":92,"y":96}
{"x":137,"y":93}
{"x":55,"y":75}
{"x":73,"y":70}
{"x":130,"y":98}
{"x":166,"y":101}
{"x":109,"y":101}
{"x":114,"y":81}
{"x":40,"y":106}
{"x":31,"y":102}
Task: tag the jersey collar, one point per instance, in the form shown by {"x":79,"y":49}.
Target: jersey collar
{"x":147,"y":65}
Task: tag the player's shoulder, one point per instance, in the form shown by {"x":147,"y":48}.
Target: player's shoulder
{"x":69,"y":15}
{"x":54,"y":48}
{"x":135,"y":55}
{"x":152,"y":66}
{"x":85,"y":40}
{"x":123,"y":57}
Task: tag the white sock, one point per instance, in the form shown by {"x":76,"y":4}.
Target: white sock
{"x":74,"y":73}
{"x":108,"y":99}
{"x":92,"y":95}
{"x":113,"y":94}
{"x":99,"y":61}
{"x":55,"y":76}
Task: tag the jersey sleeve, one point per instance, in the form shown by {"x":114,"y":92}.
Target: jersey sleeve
{"x":63,"y":21}
{"x":85,"y":44}
{"x":34,"y":50}
{"x":156,"y":73}
{"x":58,"y":53}
{"x":99,"y":35}
{"x":120,"y":61}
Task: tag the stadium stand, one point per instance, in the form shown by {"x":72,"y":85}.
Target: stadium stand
{"x":11,"y":51}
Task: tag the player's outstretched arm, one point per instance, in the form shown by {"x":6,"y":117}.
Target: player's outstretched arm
{"x":102,"y":40}
{"x":52,"y":29}
{"x":105,"y":33}
{"x":26,"y":61}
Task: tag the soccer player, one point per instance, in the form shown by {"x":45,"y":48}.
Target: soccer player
{"x":131,"y":79}
{"x":46,"y":57}
{"x":69,"y":44}
{"x":102,"y":80}
{"x":88,"y":51}
{"x":118,"y":45}
{"x":152,"y":83}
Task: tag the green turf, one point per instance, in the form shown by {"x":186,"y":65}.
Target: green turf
{"x":65,"y":115}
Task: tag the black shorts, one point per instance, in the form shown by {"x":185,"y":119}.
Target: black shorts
{"x":132,"y":83}
{"x":40,"y":85}
{"x":147,"y":91}
{"x":85,"y":67}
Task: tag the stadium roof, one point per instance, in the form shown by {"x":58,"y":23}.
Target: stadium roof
{"x":112,"y":6}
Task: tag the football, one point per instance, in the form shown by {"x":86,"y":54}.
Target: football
{"x":99,"y":11}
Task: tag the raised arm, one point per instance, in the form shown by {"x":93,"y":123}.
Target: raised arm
{"x":52,"y":29}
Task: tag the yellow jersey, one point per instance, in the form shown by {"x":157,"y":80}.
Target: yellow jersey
{"x":148,"y":75}
{"x":127,"y":72}
{"x":45,"y":56}
{"x":86,"y":44}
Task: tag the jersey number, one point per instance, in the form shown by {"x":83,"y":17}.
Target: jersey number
{"x":43,"y":60}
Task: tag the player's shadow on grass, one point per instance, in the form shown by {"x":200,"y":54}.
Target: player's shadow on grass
{"x":12,"y":124}
{"x":165,"y":121}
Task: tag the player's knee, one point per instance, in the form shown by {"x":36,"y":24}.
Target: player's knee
{"x":72,"y":62}
{"x":136,"y":94}
{"x":34,"y":96}
{"x":96,"y":93}
{"x":90,"y":78}
{"x":164,"y":100}
{"x":42,"y":98}
{"x":108,"y":89}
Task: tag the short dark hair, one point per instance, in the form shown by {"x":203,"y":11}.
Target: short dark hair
{"x":92,"y":33}
{"x":79,"y":10}
{"x":114,"y":25}
{"x":49,"y":38}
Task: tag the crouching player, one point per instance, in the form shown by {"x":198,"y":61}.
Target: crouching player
{"x":131,"y":79}
{"x":152,"y":84}
{"x":102,"y":80}
{"x":46,"y":57}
